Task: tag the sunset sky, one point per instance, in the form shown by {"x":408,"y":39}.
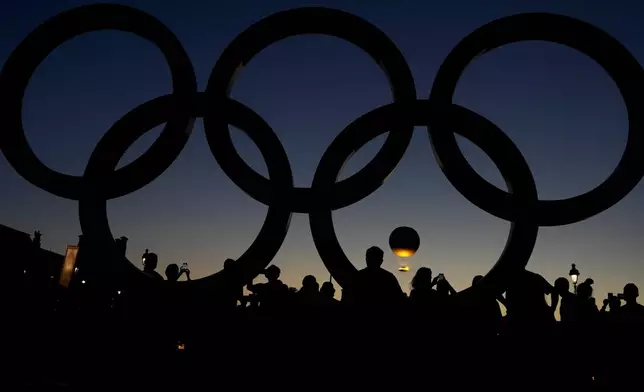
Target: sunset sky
{"x":560,"y":108}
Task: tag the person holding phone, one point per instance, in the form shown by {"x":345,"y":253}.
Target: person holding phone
{"x":173,"y":272}
{"x":443,"y":288}
{"x":613,"y":303}
{"x":422,"y":292}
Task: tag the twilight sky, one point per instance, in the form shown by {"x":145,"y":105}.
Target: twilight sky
{"x":559,"y":107}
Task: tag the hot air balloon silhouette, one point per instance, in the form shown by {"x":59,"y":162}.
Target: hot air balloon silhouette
{"x":404,"y":242}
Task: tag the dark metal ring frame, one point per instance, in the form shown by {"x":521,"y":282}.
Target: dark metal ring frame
{"x":112,"y":147}
{"x":291,"y":23}
{"x":612,"y":56}
{"x":520,"y":205}
{"x":32,"y":51}
{"x":474,"y":127}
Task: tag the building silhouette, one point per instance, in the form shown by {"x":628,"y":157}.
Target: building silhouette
{"x":23,"y":258}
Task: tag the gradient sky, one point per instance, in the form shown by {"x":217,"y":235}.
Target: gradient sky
{"x":560,"y":108}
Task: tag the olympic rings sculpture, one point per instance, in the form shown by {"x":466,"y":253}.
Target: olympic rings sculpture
{"x":101,"y":180}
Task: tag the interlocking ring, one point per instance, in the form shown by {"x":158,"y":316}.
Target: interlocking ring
{"x":112,"y":147}
{"x":22,"y":64}
{"x":520,"y":205}
{"x":290,"y":23}
{"x":472,"y":126}
{"x":612,"y":56}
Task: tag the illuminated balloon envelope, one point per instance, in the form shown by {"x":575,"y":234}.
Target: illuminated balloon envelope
{"x":404,"y":242}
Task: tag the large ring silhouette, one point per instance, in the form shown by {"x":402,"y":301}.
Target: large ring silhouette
{"x":24,"y":60}
{"x":92,"y":204}
{"x":616,"y":60}
{"x":298,"y":22}
{"x":478,"y":130}
{"x":520,"y":205}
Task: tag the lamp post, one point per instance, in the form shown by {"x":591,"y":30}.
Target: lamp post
{"x":574,"y":276}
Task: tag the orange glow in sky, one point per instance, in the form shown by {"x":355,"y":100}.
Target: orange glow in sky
{"x":400,"y":252}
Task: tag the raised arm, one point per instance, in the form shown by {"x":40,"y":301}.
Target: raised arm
{"x":450,"y":288}
{"x":554,"y":300}
{"x":549,"y":289}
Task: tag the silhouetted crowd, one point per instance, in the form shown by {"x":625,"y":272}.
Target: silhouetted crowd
{"x":375,"y":336}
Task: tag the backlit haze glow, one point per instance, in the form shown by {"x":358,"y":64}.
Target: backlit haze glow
{"x":559,"y":107}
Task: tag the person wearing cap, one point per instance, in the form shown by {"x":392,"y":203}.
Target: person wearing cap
{"x":151,"y":262}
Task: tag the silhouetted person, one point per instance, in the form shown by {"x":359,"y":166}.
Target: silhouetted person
{"x":586,"y":306}
{"x":611,"y":304}
{"x":440,"y":306}
{"x":485,"y":311}
{"x":443,"y":288}
{"x":327,"y":294}
{"x":499,"y":298}
{"x":309,"y":294}
{"x":586,"y":329}
{"x":422,"y":293}
{"x":120,"y":246}
{"x":232,"y":289}
{"x":626,"y":373}
{"x":291,"y":294}
{"x":145,"y":257}
{"x":173,"y":273}
{"x":175,"y":302}
{"x":631,"y":311}
{"x":376,"y":286}
{"x":526,"y":301}
{"x":345,"y":296}
{"x":36,"y":239}
{"x":151,"y":262}
{"x":273,"y":293}
{"x":567,"y":309}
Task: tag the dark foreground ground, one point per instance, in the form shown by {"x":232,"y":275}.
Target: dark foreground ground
{"x":349,"y":351}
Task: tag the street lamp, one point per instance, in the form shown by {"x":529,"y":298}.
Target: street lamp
{"x":574,"y":276}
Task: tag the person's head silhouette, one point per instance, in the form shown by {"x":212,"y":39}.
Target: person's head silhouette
{"x":327,"y":290}
{"x":476,"y":279}
{"x":229,"y":264}
{"x":272,"y":273}
{"x":309,"y":283}
{"x":374,"y":257}
{"x":585,"y":290}
{"x":172,"y":272}
{"x":151,"y":261}
{"x":422,"y":279}
{"x":631,"y":292}
{"x":562,"y":285}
